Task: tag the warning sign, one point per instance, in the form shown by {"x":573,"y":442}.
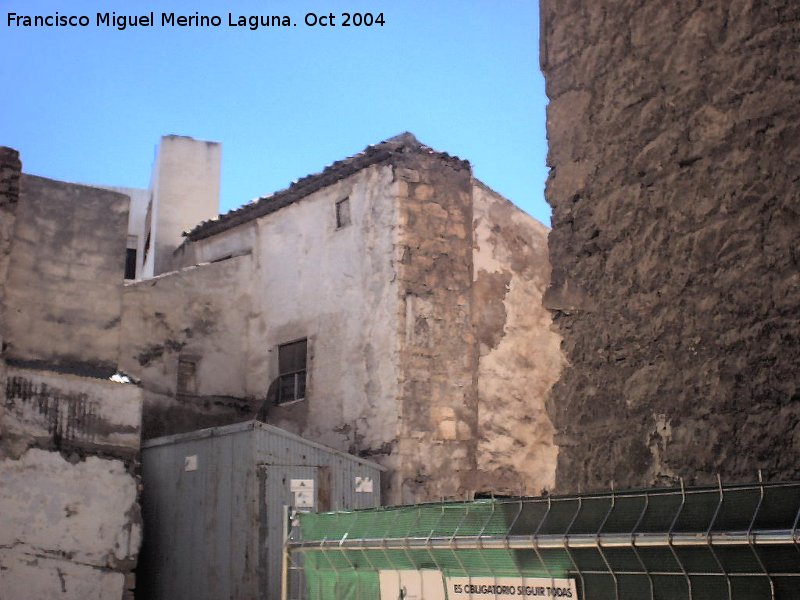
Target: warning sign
{"x":474,"y":588}
{"x":303,"y":492}
{"x":427,"y":585}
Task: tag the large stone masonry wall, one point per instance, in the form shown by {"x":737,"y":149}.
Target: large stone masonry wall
{"x":674,"y":156}
{"x":438,"y":360}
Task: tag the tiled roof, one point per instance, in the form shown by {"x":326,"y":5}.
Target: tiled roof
{"x":379,"y":153}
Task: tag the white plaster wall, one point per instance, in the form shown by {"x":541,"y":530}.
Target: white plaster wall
{"x":516,"y":451}
{"x":338,"y":289}
{"x":136,"y":218}
{"x":69,"y":520}
{"x":86,"y":412}
{"x":23,"y":577}
{"x":185,"y":183}
{"x":234,"y":242}
{"x":64,"y":525}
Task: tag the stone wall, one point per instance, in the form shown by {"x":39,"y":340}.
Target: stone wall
{"x":198,"y":315}
{"x":519,"y":354}
{"x":674,"y":160}
{"x":438,"y":359}
{"x":70,"y":526}
{"x":64,"y":282}
{"x":69,"y":414}
{"x":69,"y":445}
{"x":10,"y":174}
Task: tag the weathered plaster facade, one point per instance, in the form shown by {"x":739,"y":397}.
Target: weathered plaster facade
{"x":392,"y":308}
{"x":673,"y":133}
{"x":198,"y":315}
{"x":184,"y":191}
{"x":519,"y":356}
{"x":68,"y":529}
{"x":69,"y":444}
{"x":63,"y":290}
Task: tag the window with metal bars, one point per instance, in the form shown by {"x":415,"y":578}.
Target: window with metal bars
{"x":292,"y":371}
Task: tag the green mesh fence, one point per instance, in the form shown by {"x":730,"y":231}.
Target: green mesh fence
{"x":724,"y":542}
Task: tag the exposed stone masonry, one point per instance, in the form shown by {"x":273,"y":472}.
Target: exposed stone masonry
{"x":675,"y":169}
{"x":10,"y":174}
{"x":439,"y":360}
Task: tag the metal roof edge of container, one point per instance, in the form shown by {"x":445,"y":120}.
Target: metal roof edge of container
{"x":209,"y":432}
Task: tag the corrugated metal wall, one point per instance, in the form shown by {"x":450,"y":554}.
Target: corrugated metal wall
{"x":213,"y":507}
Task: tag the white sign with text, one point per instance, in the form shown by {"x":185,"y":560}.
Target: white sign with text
{"x":475,"y":588}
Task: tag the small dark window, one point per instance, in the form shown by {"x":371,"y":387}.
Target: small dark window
{"x":130,"y":263}
{"x":187,"y":376}
{"x":292,"y":371}
{"x":343,"y":213}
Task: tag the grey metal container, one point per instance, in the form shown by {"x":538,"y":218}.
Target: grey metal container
{"x":213,"y":507}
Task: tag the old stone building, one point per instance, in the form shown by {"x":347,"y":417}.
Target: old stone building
{"x":673,"y":149}
{"x":389,"y":306}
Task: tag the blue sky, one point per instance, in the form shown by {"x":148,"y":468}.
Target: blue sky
{"x":89,"y":104}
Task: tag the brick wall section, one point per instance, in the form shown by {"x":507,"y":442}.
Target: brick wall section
{"x":675,"y":246}
{"x":438,"y":360}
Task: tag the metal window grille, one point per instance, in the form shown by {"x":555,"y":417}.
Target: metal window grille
{"x":713,"y":543}
{"x":292,"y":371}
{"x":292,"y":386}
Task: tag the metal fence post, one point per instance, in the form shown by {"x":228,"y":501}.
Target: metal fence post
{"x":285,"y":555}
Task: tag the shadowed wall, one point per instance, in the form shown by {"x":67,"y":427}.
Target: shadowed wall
{"x":674,"y":160}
